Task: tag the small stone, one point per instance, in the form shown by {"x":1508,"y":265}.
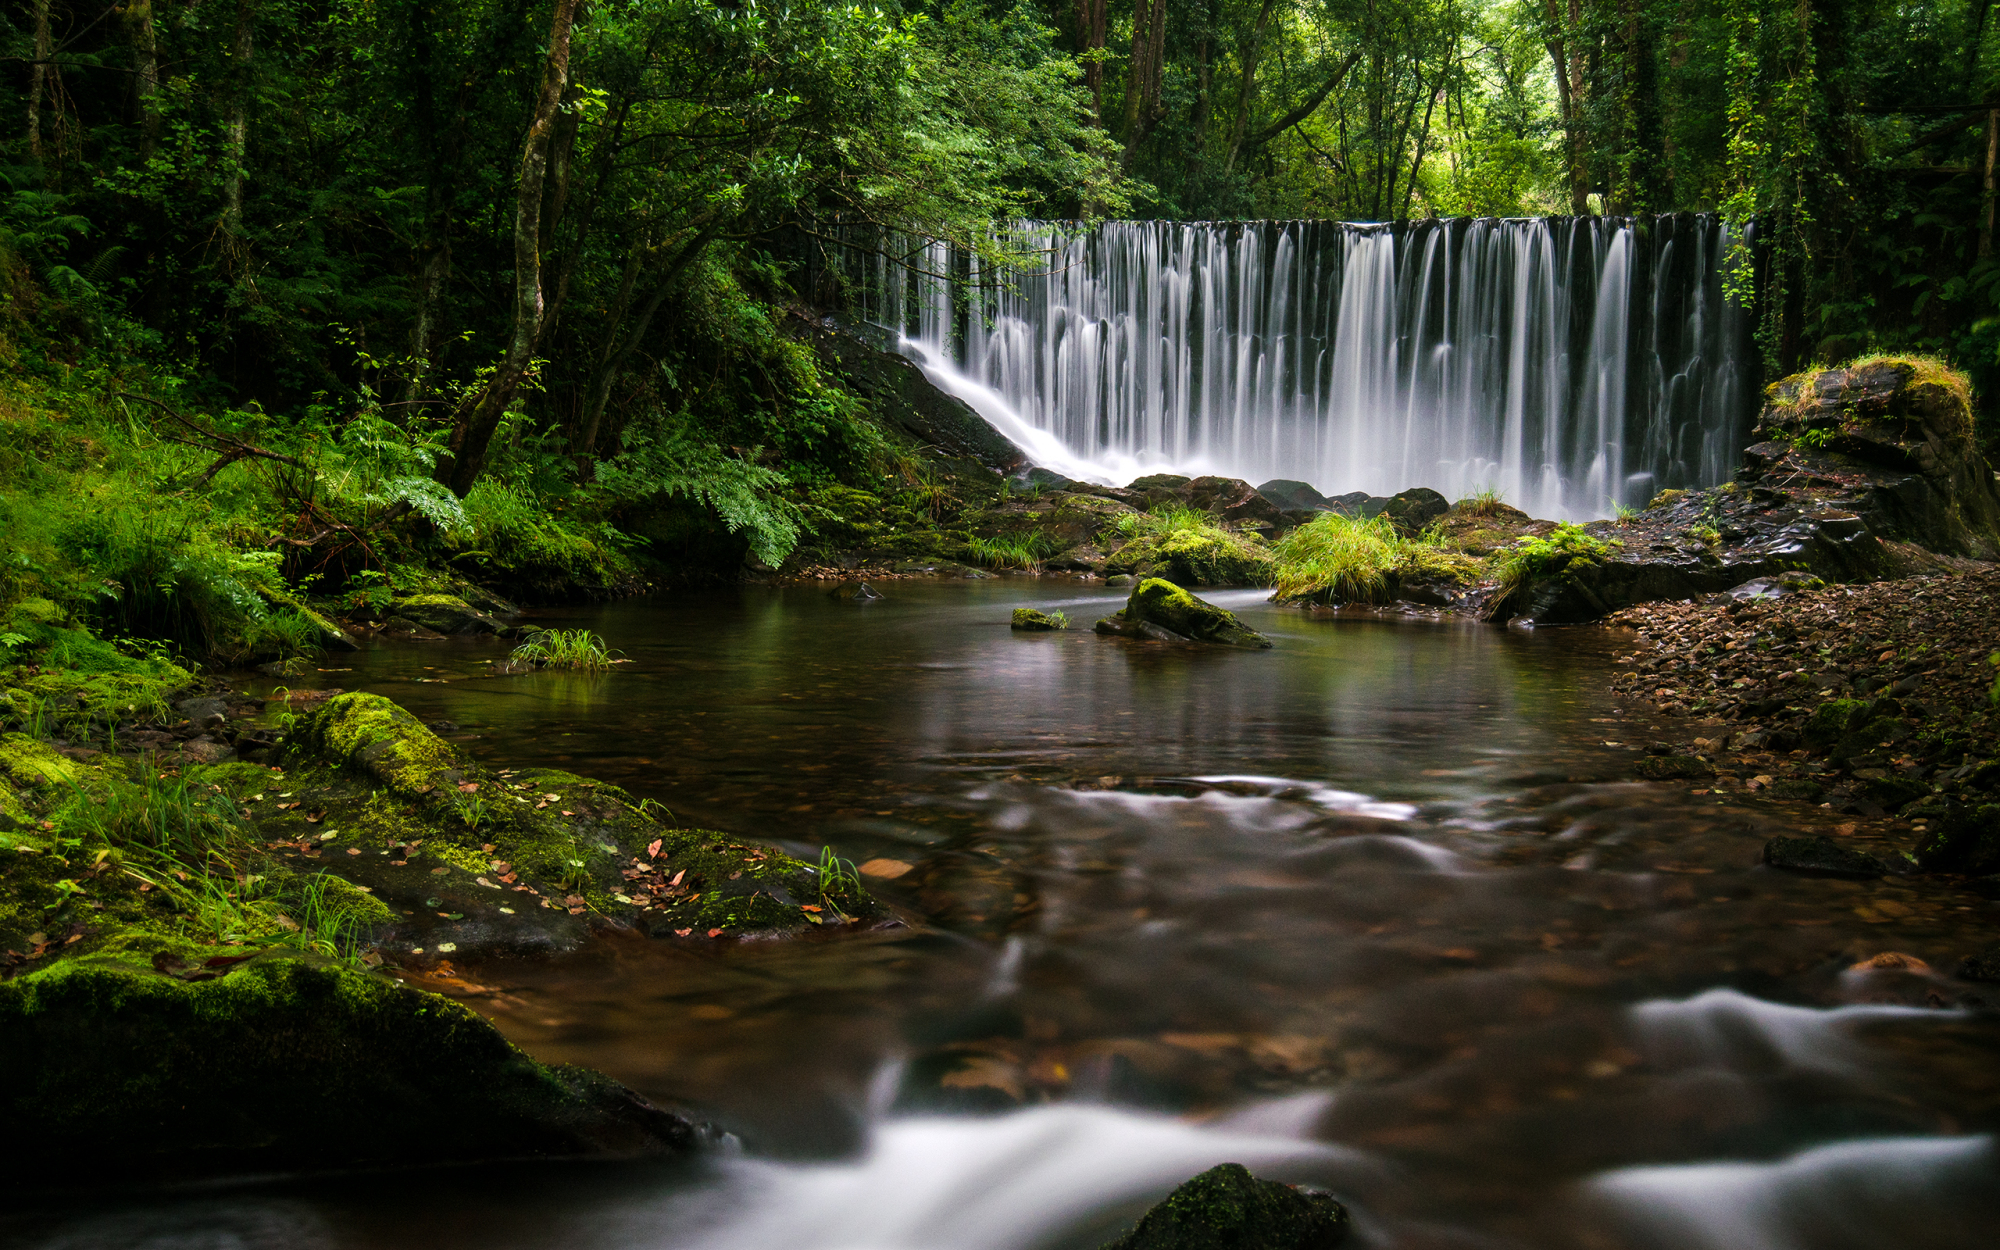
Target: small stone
{"x":1984,"y":966}
{"x":1226,"y":1208}
{"x":1820,"y":856}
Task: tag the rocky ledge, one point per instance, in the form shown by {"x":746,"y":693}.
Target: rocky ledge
{"x":198,"y":963}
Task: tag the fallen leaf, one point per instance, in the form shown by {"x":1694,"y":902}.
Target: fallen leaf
{"x":886,"y":869}
{"x":809,"y":907}
{"x":439,"y":872}
{"x":677,"y":877}
{"x":653,"y":848}
{"x":313,"y":818}
{"x":567,"y":813}
{"x":467,"y":787}
{"x":682,"y":932}
{"x":715,"y":933}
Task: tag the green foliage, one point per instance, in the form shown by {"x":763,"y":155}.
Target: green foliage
{"x":1189,"y":547}
{"x":1486,"y":501}
{"x":838,"y":879}
{"x":1025,"y":550}
{"x":1335,"y":558}
{"x":565,"y":648}
{"x":1531,"y":559}
{"x":674,"y":462}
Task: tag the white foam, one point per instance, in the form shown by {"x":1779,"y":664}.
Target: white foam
{"x":1884,"y":1192}
{"x":1724,"y":1028}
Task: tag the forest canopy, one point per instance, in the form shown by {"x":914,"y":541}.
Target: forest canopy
{"x":574,"y":225}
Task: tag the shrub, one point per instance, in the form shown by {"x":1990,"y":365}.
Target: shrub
{"x":1534,"y":558}
{"x":1190,"y":548}
{"x":1338,"y":559}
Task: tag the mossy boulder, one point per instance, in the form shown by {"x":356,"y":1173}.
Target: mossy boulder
{"x":1033,"y":619}
{"x":373,"y":735}
{"x":447,"y":614}
{"x":518,"y":861}
{"x":1830,"y":721}
{"x":27,"y":764}
{"x":283,"y":1064}
{"x":1226,"y":1208}
{"x":1160,"y":610}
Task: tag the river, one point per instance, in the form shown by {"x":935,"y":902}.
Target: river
{"x":1378,"y":909}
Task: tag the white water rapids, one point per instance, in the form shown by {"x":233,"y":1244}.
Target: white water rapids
{"x":1572,"y":364}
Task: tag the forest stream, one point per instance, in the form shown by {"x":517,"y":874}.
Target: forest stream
{"x":1378,"y":909}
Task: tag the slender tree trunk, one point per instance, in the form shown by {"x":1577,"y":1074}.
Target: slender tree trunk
{"x":614,"y":364}
{"x":1247,"y":92}
{"x":1142,"y":86}
{"x":145,"y":76}
{"x":1091,"y":19}
{"x":237,"y":131}
{"x":1570,"y":99}
{"x":1987,"y":196}
{"x":472,"y":434}
{"x":38,"y":78}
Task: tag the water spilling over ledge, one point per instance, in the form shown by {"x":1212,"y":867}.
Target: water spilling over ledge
{"x":1573,"y":364}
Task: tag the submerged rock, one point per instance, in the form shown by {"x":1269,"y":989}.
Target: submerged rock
{"x":282,"y":1064}
{"x":1820,"y":856}
{"x":1033,"y":619}
{"x":1984,"y":966}
{"x":1162,"y":611}
{"x":1226,"y":1208}
{"x":1674,"y":768}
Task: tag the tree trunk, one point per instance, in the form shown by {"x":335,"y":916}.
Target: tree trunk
{"x":1142,"y":85}
{"x":145,"y":75}
{"x":1248,"y":90}
{"x":614,"y":364}
{"x":236,"y":134}
{"x":38,"y":77}
{"x":1987,"y":197}
{"x":472,"y":434}
{"x":1091,"y":18}
{"x":1570,"y":100}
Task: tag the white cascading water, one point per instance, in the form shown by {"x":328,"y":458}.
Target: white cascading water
{"x":1572,"y":364}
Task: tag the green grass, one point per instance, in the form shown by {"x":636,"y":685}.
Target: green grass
{"x":1486,"y":501}
{"x":1013,"y":551}
{"x":565,"y":648}
{"x":1189,"y":547}
{"x":1338,"y":559}
{"x":1533,"y":558}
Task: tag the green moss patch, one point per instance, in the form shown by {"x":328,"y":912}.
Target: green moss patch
{"x":282,"y":1063}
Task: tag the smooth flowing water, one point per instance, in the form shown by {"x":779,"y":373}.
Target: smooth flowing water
{"x":1376,"y":909}
{"x":1573,"y":364}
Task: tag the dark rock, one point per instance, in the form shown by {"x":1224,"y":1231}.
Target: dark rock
{"x":1292,"y":496}
{"x":1158,"y":481}
{"x":1040,"y":479}
{"x":1891,"y":792}
{"x":1118,"y":579}
{"x":444,"y":614}
{"x":854,"y":592}
{"x":1674,"y":768}
{"x":1031,"y":619}
{"x":898,"y":391}
{"x":206,"y":750}
{"x":1356,"y":503}
{"x":1412,"y":510}
{"x":1774,"y":587}
{"x":1817,"y":855}
{"x":1963,"y":838}
{"x":1984,"y":966}
{"x":1798,"y":788}
{"x":1903,"y":429}
{"x":1226,"y":1208}
{"x":1158,"y":607}
{"x":284,"y":1064}
{"x":1234,"y":499}
{"x":204,"y":713}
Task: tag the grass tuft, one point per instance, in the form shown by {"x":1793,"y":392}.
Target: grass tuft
{"x":565,"y":648}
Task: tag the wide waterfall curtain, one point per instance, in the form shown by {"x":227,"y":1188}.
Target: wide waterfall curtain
{"x":1573,"y":364}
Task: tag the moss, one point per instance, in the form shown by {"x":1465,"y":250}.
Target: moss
{"x":1422,"y":561}
{"x":1159,"y":602}
{"x":1830,"y":721}
{"x":1209,"y":556}
{"x":372,"y":735}
{"x":1924,"y":370}
{"x":1031,"y":619}
{"x":281,"y":1062}
{"x":28,"y":764}
{"x":1666,"y":498}
{"x":1226,"y":1208}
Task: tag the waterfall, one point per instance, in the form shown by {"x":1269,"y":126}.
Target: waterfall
{"x":1572,"y":364}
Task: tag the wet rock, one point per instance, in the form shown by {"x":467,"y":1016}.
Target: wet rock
{"x":443,"y":614}
{"x":1758,"y":589}
{"x":1984,"y":966}
{"x":1820,"y":856}
{"x":854,"y":592}
{"x":204,"y":713}
{"x":1032,"y":619}
{"x":1411,"y":510}
{"x":1674,"y":768}
{"x":1226,"y":1208}
{"x":1119,"y":579}
{"x":1158,"y":607}
{"x":1234,"y":500}
{"x":898,"y":391}
{"x":283,"y":1063}
{"x":1899,"y":436}
{"x":1890,"y":792}
{"x":206,"y":750}
{"x":1293,"y":496}
{"x":1961,"y":838}
{"x":1158,"y":481}
{"x":1040,"y":479}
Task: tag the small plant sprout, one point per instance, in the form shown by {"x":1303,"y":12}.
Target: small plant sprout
{"x":837,"y":876}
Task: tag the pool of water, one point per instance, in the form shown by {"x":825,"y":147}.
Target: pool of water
{"x":1378,"y":909}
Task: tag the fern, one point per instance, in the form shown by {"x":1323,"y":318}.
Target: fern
{"x":738,"y":490}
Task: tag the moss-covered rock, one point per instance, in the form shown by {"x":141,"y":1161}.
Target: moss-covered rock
{"x":1674,"y":768}
{"x":282,"y":1064}
{"x":1226,"y":1208}
{"x":447,"y":614}
{"x":1196,"y":557}
{"x":1159,"y":609}
{"x":1831,"y":720}
{"x":1820,"y":856}
{"x":1034,"y":619}
{"x":372,"y":735}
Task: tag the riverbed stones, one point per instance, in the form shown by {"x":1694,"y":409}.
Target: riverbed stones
{"x":1983,"y":966}
{"x":1163,"y":612}
{"x":1820,"y":856}
{"x":157,"y":1070}
{"x":1226,"y":1208}
{"x":1674,"y":767}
